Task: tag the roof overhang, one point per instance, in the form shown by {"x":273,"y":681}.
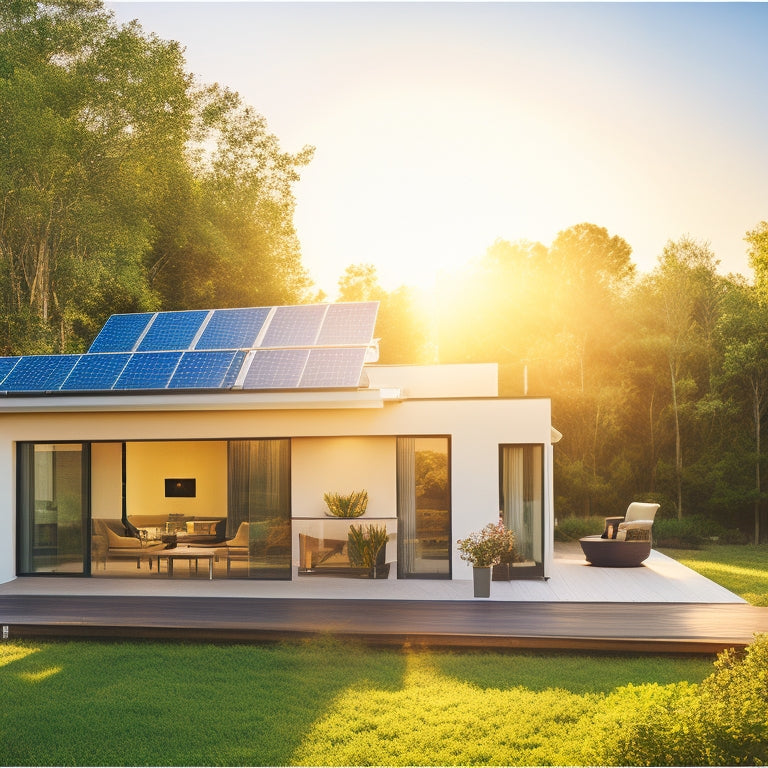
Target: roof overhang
{"x":223,"y":401}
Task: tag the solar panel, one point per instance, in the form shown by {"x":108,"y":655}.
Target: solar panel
{"x":202,"y":370}
{"x":148,"y":370}
{"x":234,"y":370}
{"x":172,"y":331}
{"x":333,"y":368}
{"x":6,"y":366}
{"x":39,"y":373}
{"x":275,"y":369}
{"x":296,"y":326}
{"x":348,"y":324}
{"x":94,"y":373}
{"x":233,"y":328}
{"x":120,"y":333}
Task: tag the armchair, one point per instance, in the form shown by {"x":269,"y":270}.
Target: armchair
{"x":625,"y":542}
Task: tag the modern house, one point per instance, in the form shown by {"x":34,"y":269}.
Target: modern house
{"x":224,"y":429}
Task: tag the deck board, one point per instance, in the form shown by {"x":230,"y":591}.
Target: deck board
{"x":646,"y":627}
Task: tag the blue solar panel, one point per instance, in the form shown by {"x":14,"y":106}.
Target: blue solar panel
{"x":172,"y":331}
{"x":94,"y":373}
{"x":148,"y":370}
{"x":348,"y":324}
{"x":120,"y":333}
{"x":276,"y":369}
{"x":6,"y":366}
{"x":333,"y":368}
{"x":296,"y":326}
{"x":202,"y":370}
{"x":233,"y":328}
{"x":39,"y":373}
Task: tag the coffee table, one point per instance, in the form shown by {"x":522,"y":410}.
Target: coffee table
{"x":185,"y":553}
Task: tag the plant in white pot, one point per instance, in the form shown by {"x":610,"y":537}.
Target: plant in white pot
{"x":484,"y":549}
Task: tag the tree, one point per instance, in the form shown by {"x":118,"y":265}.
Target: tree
{"x":684,"y":291}
{"x":401,"y":323}
{"x":744,"y":332}
{"x":124,"y":185}
{"x":92,"y":116}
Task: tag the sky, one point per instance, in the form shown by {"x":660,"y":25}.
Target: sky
{"x":442,"y":127}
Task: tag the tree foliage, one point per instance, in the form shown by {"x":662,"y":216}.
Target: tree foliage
{"x":124,"y":185}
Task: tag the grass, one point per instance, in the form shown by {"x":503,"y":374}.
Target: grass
{"x":740,"y":568}
{"x":315,"y":703}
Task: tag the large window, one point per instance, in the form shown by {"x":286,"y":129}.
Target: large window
{"x":521,"y":490}
{"x":259,"y":503}
{"x":423,"y":507}
{"x":52,"y":507}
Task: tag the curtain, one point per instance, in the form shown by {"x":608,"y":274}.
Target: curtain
{"x":238,"y":484}
{"x":406,"y":504}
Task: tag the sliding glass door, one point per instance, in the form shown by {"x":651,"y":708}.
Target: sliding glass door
{"x":53,"y":507}
{"x":259,"y":507}
{"x":423,"y":508}
{"x":521,"y":490}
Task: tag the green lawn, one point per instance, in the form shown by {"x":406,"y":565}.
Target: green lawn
{"x":743,"y":569}
{"x":316,"y":703}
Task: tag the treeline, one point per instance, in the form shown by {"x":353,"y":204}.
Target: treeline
{"x":127,"y":186}
{"x":659,"y":382}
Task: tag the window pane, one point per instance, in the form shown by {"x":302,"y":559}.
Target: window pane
{"x":424,"y":508}
{"x":260,"y":508}
{"x":521,"y":490}
{"x":52,"y":508}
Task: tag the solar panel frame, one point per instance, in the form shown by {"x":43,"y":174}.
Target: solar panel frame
{"x":120,"y":333}
{"x":233,"y":328}
{"x":294,"y":326}
{"x":96,"y":372}
{"x":348,"y":324}
{"x":148,"y":371}
{"x":39,"y":373}
{"x":275,"y":369}
{"x":333,"y":368}
{"x":202,"y":369}
{"x":172,"y":331}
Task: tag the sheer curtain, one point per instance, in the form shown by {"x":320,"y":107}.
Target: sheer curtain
{"x":406,"y":504}
{"x":515,"y":478}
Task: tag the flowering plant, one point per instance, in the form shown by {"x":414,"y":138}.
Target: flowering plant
{"x":490,"y":546}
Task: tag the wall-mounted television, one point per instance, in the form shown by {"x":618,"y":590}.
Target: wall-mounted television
{"x":178,"y":487}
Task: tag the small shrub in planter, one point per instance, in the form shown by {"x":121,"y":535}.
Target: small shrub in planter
{"x":346,"y":505}
{"x":488,"y":547}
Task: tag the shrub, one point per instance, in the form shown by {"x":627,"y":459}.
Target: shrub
{"x":723,"y":721}
{"x":492,"y":545}
{"x":692,"y":532}
{"x":573,"y":528}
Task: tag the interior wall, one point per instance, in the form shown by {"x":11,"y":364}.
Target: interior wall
{"x":343,"y":465}
{"x":148,"y":464}
{"x":107,"y":480}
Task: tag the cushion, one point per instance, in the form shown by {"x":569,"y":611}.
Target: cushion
{"x":202,"y":527}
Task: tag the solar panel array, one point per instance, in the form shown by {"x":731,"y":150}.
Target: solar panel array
{"x":314,"y":346}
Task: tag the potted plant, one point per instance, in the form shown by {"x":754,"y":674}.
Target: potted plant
{"x":366,"y":547}
{"x":484,"y":549}
{"x":346,"y":505}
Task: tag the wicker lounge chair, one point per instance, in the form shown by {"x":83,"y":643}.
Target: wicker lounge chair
{"x":624,"y":543}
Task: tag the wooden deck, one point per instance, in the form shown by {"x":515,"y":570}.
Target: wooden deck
{"x":631,"y":627}
{"x":661,"y":607}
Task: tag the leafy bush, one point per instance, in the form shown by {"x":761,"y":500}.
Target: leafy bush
{"x":692,"y":532}
{"x":723,"y":721}
{"x":573,"y":528}
{"x":364,"y":544}
{"x":492,"y":545}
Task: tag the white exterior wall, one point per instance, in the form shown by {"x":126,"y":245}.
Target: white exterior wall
{"x":476,"y":428}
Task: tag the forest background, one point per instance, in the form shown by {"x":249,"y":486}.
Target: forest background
{"x":127,"y":186}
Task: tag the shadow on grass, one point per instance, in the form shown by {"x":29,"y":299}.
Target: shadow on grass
{"x":143,"y":703}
